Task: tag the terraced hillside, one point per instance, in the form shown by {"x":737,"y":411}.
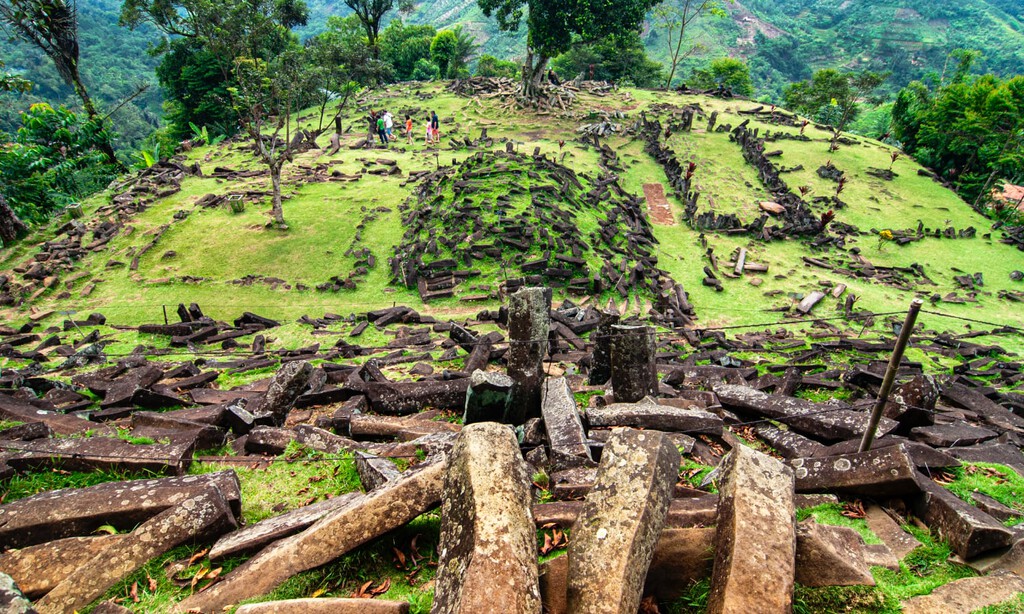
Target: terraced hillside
{"x":193,"y":230}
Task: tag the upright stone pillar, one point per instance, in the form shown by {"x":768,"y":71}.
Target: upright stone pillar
{"x":615,"y":534}
{"x":634,"y":375}
{"x":488,"y":550}
{"x":528,"y":313}
{"x":601,"y":362}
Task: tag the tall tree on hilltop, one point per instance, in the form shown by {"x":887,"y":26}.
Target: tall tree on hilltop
{"x":52,"y":26}
{"x":370,"y":14}
{"x":553,"y":26}
{"x":674,"y":16}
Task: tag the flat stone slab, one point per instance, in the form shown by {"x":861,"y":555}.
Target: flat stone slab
{"x":566,"y":437}
{"x":326,"y":606}
{"x":488,"y":547}
{"x":900,"y":542}
{"x":755,"y":542}
{"x":966,"y":595}
{"x":615,"y":534}
{"x":951,"y":435}
{"x":648,"y":414}
{"x":206,"y":514}
{"x":825,"y":422}
{"x":885,"y":471}
{"x":830,"y":556}
{"x":37,"y":569}
{"x":330,"y":537}
{"x":123,"y":505}
{"x":100,"y":454}
{"x":255,"y":536}
{"x":969,"y":531}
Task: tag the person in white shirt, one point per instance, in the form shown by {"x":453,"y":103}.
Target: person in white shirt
{"x":389,"y":123}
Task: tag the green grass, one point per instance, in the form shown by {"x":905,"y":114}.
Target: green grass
{"x":831,"y":514}
{"x":997,"y":481}
{"x":32,"y":483}
{"x":297,"y":478}
{"x":8,"y":424}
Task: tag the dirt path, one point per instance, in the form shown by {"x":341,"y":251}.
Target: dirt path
{"x":658,"y":205}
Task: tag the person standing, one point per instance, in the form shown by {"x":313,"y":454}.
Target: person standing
{"x":389,"y":123}
{"x":382,"y":131}
{"x":435,"y":127}
{"x":408,"y":129}
{"x":429,"y":131}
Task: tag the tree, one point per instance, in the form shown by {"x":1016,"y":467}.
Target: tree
{"x":442,"y":50}
{"x":370,"y":14}
{"x":730,"y":73}
{"x":490,"y":66}
{"x":831,"y":96}
{"x":971,"y":132}
{"x":402,"y":46}
{"x":553,"y":26}
{"x":338,"y":65}
{"x":674,"y":16}
{"x":195,"y":90}
{"x":617,"y":58}
{"x":13,"y":83}
{"x":52,"y":26}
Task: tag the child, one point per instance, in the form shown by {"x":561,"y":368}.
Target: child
{"x":430,"y":132}
{"x":408,"y":129}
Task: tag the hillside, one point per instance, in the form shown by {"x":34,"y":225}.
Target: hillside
{"x":158,"y":252}
{"x":317,"y":412}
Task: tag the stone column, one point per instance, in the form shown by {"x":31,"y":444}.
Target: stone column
{"x":634,"y":375}
{"x":488,"y":549}
{"x":528,"y":324}
{"x":601,"y":363}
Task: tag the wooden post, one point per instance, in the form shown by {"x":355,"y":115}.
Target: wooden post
{"x":890,"y":374}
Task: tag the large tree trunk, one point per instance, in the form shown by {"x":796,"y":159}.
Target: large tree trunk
{"x":10,"y":226}
{"x":533,"y":74}
{"x":275,"y":210}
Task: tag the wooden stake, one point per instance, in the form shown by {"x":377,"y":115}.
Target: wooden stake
{"x":890,"y":374}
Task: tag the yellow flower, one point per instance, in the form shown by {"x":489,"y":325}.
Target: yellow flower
{"x":885,"y":235}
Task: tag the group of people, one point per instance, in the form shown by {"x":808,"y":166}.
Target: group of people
{"x":382,"y":124}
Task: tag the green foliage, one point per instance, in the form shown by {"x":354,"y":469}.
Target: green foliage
{"x":403,"y":46}
{"x":729,"y":73}
{"x":969,"y":131}
{"x":53,"y":161}
{"x":997,"y":481}
{"x":371,"y":12}
{"x":442,"y":51}
{"x":425,"y":70}
{"x":619,"y":58}
{"x":490,"y":66}
{"x":13,"y":83}
{"x":196,"y":90}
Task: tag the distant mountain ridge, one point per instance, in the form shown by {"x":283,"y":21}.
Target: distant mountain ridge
{"x":783,"y":40}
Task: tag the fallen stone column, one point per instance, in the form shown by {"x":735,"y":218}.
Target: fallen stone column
{"x":614,"y":537}
{"x":755,"y":541}
{"x":634,"y":375}
{"x":402,"y":398}
{"x":488,"y":548}
{"x":878,"y":472}
{"x":969,"y":531}
{"x":648,"y":414}
{"x":203,"y":515}
{"x":286,"y":386}
{"x":564,"y":428}
{"x":326,"y":606}
{"x":80,"y":511}
{"x":331,"y":537}
{"x":37,"y":569}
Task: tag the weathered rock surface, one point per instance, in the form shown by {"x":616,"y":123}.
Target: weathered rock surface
{"x":330,"y":537}
{"x":649,"y":414}
{"x":488,"y":547}
{"x":681,"y":557}
{"x":755,"y":542}
{"x":614,"y":537}
{"x":528,"y":325}
{"x":80,"y":511}
{"x":286,"y":386}
{"x":967,"y":595}
{"x":255,"y":536}
{"x":830,"y":556}
{"x":326,"y":606}
{"x":206,"y":514}
{"x":37,"y":569}
{"x":885,"y":471}
{"x":819,"y":420}
{"x":101,"y":454}
{"x":11,"y":599}
{"x":487,"y":398}
{"x":900,"y":542}
{"x":566,"y":438}
{"x":969,"y":531}
{"x":634,"y":375}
